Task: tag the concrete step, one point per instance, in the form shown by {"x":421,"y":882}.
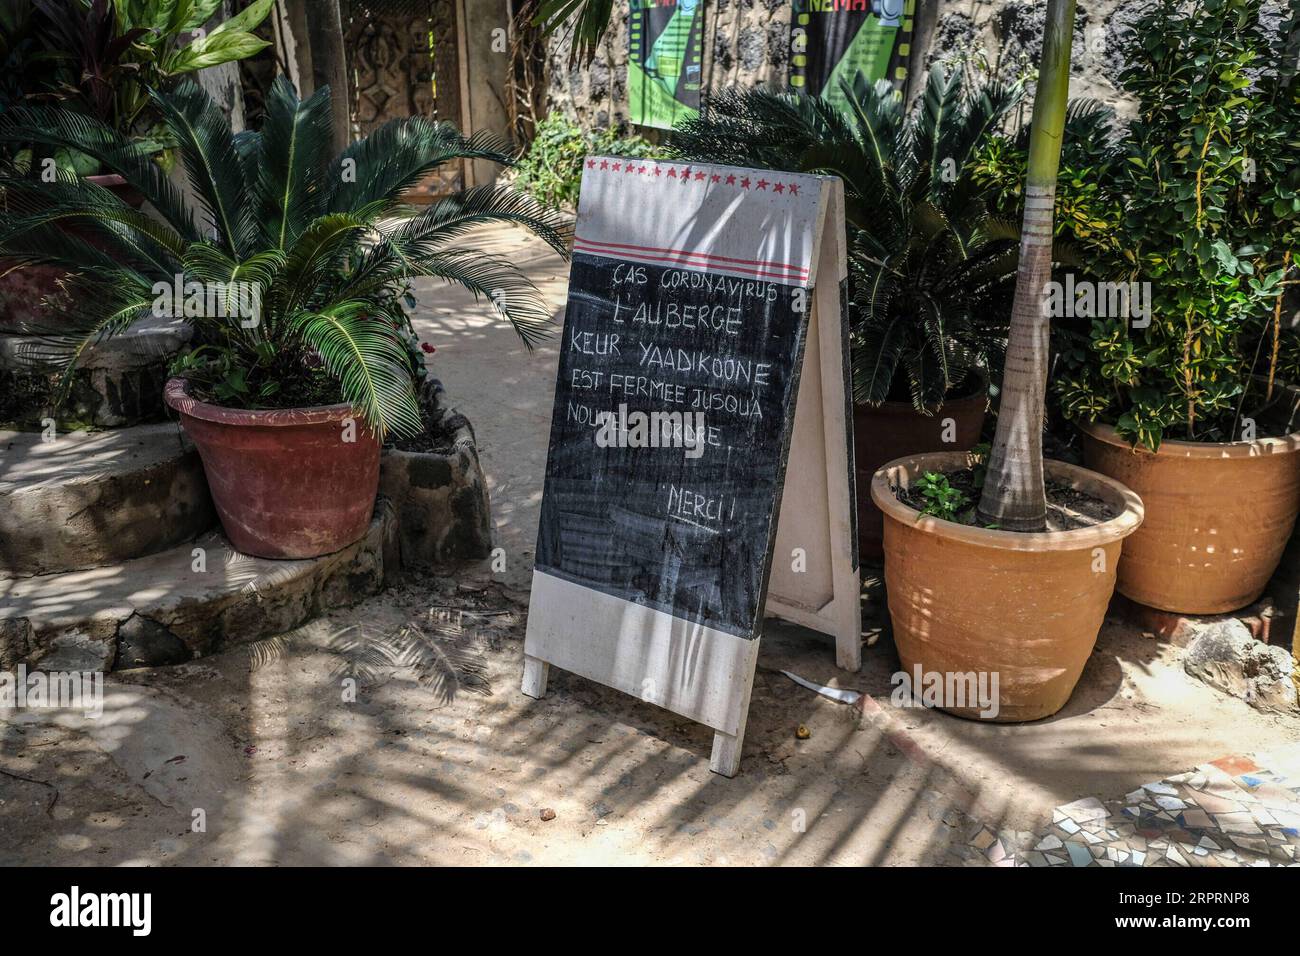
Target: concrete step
{"x":183,"y":603}
{"x":83,"y":499}
{"x":118,"y":383}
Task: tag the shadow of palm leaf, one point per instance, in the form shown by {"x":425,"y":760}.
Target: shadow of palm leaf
{"x":444,"y":655}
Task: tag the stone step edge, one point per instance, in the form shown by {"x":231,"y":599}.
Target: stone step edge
{"x":147,"y":495}
{"x":277,"y":596}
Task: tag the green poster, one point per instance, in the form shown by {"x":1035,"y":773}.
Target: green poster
{"x":664,"y":66}
{"x":835,"y":40}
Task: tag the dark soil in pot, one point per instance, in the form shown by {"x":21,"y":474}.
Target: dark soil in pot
{"x":1068,"y":508}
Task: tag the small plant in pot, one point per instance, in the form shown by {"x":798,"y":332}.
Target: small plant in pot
{"x":1188,"y":403}
{"x":930,"y":270}
{"x":303,"y":357}
{"x":1018,"y":586}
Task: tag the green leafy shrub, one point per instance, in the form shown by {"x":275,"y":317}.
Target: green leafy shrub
{"x":101,"y":57}
{"x":551,"y":170}
{"x":324,"y":244}
{"x":1088,"y":212}
{"x":1199,"y":197}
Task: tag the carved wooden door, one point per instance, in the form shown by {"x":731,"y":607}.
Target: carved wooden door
{"x":403,"y":60}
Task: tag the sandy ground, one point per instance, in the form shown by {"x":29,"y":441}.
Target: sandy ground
{"x":259,"y":755}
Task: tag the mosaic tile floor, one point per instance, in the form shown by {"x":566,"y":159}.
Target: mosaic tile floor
{"x":1236,"y":811}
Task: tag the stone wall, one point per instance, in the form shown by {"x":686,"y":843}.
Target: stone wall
{"x":747,"y":43}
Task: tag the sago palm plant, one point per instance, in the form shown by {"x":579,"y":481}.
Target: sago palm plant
{"x":325,"y":243}
{"x":930,"y":268}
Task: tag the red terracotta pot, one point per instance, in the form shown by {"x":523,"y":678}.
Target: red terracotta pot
{"x":23,"y":288}
{"x":120,"y":188}
{"x":897,"y":430}
{"x":287,"y":483}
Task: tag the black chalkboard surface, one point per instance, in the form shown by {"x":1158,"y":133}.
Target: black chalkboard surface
{"x":702,"y":352}
{"x":690,"y":536}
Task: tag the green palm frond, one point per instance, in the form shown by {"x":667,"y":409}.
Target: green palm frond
{"x":917,"y":220}
{"x":875,"y":361}
{"x":212,"y":163}
{"x":208,"y":263}
{"x":590,"y":20}
{"x":369,"y":361}
{"x":878,"y":117}
{"x":87,"y":311}
{"x":453,"y":216}
{"x":292,"y":156}
{"x":395,"y":157}
{"x":259,"y":273}
{"x":511,"y":292}
{"x":326,"y":256}
{"x":939,"y":112}
{"x":58,"y":127}
{"x":29,"y":203}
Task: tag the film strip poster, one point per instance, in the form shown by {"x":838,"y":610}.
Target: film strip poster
{"x":666,"y":55}
{"x":835,"y":40}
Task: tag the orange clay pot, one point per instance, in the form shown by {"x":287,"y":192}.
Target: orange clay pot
{"x":1026,"y":607}
{"x":1218,"y":517}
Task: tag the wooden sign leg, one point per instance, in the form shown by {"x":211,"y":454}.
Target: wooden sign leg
{"x":535,"y":673}
{"x":725,"y":758}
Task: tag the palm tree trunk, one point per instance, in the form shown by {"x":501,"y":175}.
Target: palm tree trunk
{"x":330,"y":65}
{"x":1013,"y":496}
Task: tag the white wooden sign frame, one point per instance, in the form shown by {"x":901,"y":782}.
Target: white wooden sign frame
{"x":689,"y":668}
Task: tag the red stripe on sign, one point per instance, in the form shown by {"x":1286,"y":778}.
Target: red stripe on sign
{"x":682,"y":253}
{"x":677,"y":260}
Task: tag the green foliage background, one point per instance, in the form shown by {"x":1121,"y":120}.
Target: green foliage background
{"x":551,"y":170}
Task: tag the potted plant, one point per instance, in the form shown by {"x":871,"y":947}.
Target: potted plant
{"x":303,"y":358}
{"x":929,"y":269}
{"x":1191,"y":406}
{"x":1017,"y":586}
{"x":111,"y":53}
{"x":100,"y":58}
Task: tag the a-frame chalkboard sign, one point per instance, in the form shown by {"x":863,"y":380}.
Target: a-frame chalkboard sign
{"x":700,"y":468}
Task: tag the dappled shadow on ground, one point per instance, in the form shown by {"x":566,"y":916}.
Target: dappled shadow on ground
{"x":286,"y":770}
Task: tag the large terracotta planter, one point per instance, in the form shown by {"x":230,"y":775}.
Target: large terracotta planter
{"x":1218,"y":517}
{"x":895,"y":430}
{"x":1026,"y":607}
{"x":286,"y":482}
